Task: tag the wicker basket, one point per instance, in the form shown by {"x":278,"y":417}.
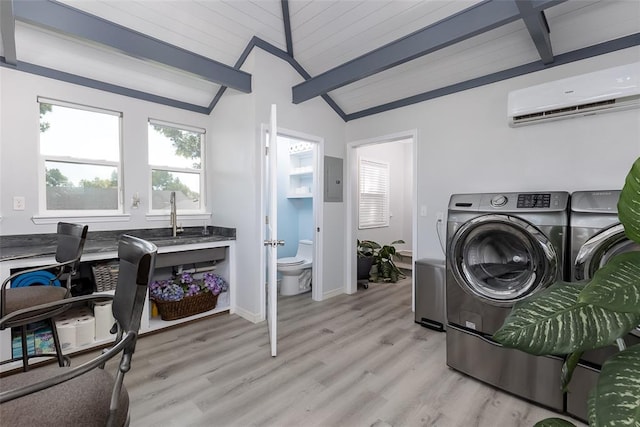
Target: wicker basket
{"x":105,"y":276}
{"x":187,"y":306}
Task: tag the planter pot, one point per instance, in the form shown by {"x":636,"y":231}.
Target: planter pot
{"x":188,"y":306}
{"x":364,"y":266}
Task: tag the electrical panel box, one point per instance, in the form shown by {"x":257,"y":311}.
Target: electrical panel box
{"x":332,"y":179}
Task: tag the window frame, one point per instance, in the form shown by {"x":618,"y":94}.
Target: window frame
{"x":44,"y":158}
{"x":201,"y":171}
{"x":383,"y":167}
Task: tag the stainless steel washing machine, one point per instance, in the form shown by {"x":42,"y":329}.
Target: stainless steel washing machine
{"x":596,"y":236}
{"x":502,"y":248}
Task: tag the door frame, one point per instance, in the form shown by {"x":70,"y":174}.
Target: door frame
{"x":317,"y":289}
{"x":351,"y":203}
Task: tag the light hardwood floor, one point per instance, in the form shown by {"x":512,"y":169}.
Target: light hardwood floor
{"x":354,"y":360}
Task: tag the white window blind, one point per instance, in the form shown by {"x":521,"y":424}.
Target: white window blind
{"x":374,"y":194}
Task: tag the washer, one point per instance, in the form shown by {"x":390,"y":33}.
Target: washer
{"x":596,"y":236}
{"x":502,"y":248}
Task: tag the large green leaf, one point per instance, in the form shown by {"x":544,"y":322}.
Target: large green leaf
{"x":554,"y":322}
{"x":629,"y":203}
{"x":615,"y":401}
{"x":616,"y":286}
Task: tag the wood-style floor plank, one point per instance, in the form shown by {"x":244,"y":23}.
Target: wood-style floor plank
{"x":353,"y":360}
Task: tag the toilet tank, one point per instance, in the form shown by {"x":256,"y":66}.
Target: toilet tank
{"x":305,"y":249}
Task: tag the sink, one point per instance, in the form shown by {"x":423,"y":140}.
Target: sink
{"x":165,"y":235}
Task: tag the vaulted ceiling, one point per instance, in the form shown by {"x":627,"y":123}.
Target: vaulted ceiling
{"x":361,"y":56}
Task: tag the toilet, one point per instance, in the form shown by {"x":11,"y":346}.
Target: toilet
{"x":296,"y":271}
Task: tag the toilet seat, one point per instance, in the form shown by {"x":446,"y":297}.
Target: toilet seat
{"x":291,"y":261}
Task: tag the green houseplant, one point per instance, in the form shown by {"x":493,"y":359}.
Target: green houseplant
{"x":570,"y":318}
{"x":383,"y":267}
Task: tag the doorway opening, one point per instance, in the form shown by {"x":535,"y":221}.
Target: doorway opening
{"x":395,"y":153}
{"x":297,"y":200}
{"x":299,"y":203}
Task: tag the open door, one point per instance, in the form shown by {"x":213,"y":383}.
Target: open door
{"x":271,"y":242}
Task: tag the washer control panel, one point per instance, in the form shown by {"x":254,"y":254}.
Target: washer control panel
{"x":534,"y":200}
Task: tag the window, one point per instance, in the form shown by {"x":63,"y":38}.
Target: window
{"x":80,"y":158}
{"x":175,"y":159}
{"x":373,"y":184}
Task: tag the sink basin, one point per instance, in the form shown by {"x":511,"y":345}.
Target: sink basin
{"x":165,"y":235}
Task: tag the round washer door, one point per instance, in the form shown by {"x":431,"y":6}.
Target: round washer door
{"x":502,"y":259}
{"x":599,"y":249}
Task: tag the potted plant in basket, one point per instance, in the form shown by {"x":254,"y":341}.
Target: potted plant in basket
{"x":185,"y":295}
{"x":569,"y":318}
{"x":382,"y":267}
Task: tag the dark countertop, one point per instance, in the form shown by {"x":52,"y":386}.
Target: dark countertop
{"x":35,"y":245}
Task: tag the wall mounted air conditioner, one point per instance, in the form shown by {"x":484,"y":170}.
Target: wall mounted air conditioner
{"x":603,"y":91}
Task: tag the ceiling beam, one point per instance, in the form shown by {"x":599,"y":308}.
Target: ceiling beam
{"x":65,"y":19}
{"x":8,"y":32}
{"x":468,"y":23}
{"x":287,"y":27}
{"x":538,"y":28}
{"x":107,"y":87}
{"x":532,"y":67}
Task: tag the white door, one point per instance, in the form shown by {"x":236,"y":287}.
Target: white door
{"x":271,"y":242}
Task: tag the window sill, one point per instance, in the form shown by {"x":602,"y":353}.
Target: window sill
{"x":54,"y":219}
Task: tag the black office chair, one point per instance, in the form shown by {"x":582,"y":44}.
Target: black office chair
{"x":71,"y":238}
{"x":86,"y":395}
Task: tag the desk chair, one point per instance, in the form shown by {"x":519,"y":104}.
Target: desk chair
{"x":86,"y":395}
{"x":71,"y":238}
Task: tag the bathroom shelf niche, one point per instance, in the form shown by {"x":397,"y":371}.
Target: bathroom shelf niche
{"x":300,"y":174}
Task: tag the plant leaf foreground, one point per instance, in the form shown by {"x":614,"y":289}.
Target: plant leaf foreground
{"x":555,"y":322}
{"x":616,"y":399}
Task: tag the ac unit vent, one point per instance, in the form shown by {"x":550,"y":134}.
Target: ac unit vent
{"x":603,"y":91}
{"x":593,"y":107}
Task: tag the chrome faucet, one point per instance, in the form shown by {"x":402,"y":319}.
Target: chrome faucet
{"x":174,"y":216}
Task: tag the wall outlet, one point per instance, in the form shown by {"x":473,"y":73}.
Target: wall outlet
{"x":18,"y":203}
{"x":423,"y":210}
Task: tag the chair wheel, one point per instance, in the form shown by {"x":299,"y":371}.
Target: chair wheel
{"x":366,"y":286}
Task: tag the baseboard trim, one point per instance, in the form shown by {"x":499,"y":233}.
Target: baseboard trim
{"x":333,"y":293}
{"x":251,"y":317}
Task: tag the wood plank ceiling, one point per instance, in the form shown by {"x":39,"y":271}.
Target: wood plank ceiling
{"x":361,"y":56}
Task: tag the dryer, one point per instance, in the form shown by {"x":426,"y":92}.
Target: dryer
{"x":596,"y":232}
{"x":596,"y":235}
{"x":502,"y":248}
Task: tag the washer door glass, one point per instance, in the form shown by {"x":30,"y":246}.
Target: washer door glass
{"x":502,"y":259}
{"x":599,"y":250}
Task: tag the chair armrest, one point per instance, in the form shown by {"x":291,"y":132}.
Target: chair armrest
{"x":30,"y":270}
{"x":70,"y":373}
{"x":61,"y":303}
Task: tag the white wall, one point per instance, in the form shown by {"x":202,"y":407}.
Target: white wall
{"x":235,"y":125}
{"x":465,"y":145}
{"x":19,"y":144}
{"x":395,"y":154}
